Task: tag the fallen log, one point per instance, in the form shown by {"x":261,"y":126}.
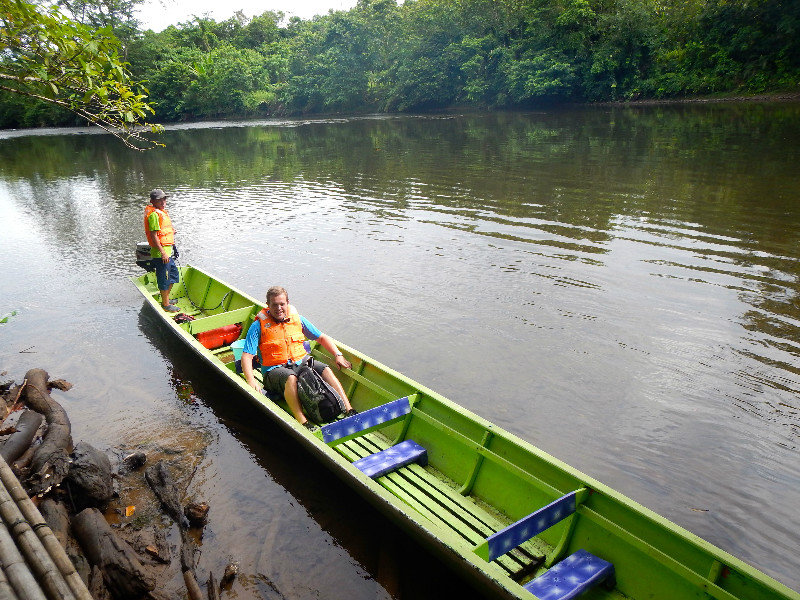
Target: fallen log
{"x":191,"y":586}
{"x":123,"y":574}
{"x":164,"y":487}
{"x":50,"y":462}
{"x":56,"y":516}
{"x":19,"y":441}
{"x":211,"y":587}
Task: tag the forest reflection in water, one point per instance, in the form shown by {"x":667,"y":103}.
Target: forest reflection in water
{"x":617,"y":286}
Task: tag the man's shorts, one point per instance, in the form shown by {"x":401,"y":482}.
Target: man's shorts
{"x":166,"y":274}
{"x":275,"y":379}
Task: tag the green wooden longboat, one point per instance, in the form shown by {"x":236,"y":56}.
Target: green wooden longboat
{"x":478,"y":480}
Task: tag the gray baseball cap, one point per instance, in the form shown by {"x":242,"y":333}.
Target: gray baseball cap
{"x":157,"y":194}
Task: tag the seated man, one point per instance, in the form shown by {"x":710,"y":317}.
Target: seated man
{"x":277,"y":335}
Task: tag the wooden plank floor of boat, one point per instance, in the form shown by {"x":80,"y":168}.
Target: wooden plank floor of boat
{"x":430,"y":493}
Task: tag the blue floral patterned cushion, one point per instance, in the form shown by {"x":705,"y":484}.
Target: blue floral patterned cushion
{"x":364,"y":420}
{"x":571,"y":577}
{"x":527,"y":527}
{"x":388,"y":460}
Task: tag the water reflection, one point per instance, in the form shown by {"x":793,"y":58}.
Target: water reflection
{"x":618,"y":286}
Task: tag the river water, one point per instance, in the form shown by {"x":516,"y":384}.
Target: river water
{"x":617,"y":286}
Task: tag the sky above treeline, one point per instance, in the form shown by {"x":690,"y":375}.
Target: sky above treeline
{"x":159,"y":14}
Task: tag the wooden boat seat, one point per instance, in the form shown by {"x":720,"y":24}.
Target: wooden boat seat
{"x":242,"y":316}
{"x":368,"y":420}
{"x":383,"y":462}
{"x":436,"y":497}
{"x":577,"y":573}
{"x":569,"y":578}
{"x":432,"y":494}
{"x":528,"y":527}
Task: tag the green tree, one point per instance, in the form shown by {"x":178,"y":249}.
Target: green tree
{"x":224,"y":80}
{"x":117,"y":14}
{"x":330,"y":64}
{"x":51,"y":58}
{"x":426,"y":68}
{"x":204,"y":69}
{"x":719,"y":46}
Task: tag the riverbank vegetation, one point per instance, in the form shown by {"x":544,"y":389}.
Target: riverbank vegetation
{"x":436,"y":54}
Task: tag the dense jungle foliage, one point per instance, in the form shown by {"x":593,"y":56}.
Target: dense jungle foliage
{"x":434,"y":54}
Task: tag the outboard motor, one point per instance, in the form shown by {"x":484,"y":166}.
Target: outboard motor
{"x":143,"y":258}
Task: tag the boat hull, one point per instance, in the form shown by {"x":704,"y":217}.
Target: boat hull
{"x":479,"y":479}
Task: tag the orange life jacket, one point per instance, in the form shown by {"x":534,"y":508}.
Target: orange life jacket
{"x":280,"y":342}
{"x":167,"y":232}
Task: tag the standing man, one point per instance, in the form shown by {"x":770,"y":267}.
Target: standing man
{"x":161,"y":237}
{"x":277,"y":334}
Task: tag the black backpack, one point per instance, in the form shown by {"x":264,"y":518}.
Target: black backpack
{"x":319,"y":400}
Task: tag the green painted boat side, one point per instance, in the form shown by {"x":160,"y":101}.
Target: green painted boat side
{"x":479,"y":479}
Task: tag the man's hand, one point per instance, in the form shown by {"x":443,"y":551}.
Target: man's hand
{"x":160,"y":248}
{"x":247,"y":370}
{"x":330,"y":346}
{"x":342,"y":362}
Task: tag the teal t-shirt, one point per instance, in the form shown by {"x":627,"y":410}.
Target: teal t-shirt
{"x":154,"y":225}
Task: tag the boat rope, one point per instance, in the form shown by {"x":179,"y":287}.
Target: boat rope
{"x":189,"y":298}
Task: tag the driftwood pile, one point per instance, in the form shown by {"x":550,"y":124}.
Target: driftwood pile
{"x":72,"y":486}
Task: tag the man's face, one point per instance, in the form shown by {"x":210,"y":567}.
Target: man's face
{"x":160,"y":204}
{"x":279,"y":307}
